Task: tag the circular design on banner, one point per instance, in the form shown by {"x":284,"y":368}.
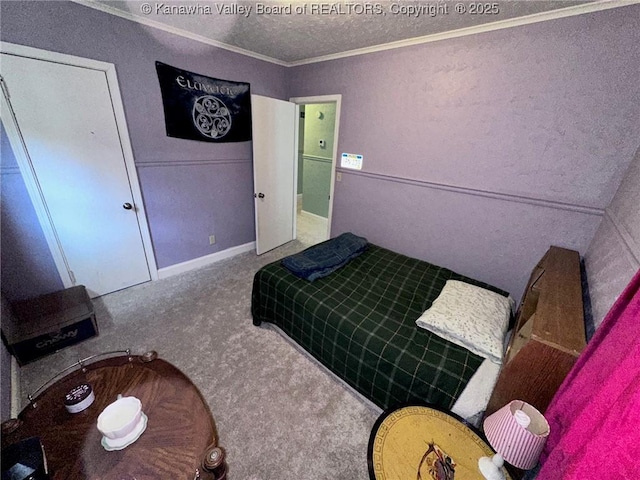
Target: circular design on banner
{"x":211,"y":117}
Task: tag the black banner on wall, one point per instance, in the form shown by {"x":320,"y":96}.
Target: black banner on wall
{"x":204,"y":108}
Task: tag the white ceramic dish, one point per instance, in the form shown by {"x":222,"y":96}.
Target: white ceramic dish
{"x":119,"y":419}
{"x":120,"y":443}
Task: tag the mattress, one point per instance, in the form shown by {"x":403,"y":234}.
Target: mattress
{"x":359,"y":322}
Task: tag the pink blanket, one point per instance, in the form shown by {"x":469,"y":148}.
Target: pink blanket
{"x":595,"y":415}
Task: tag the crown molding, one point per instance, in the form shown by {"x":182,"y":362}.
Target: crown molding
{"x":485,"y":27}
{"x":596,"y":6}
{"x":177,"y":31}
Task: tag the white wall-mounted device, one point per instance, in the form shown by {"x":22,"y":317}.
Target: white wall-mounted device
{"x":351,"y":160}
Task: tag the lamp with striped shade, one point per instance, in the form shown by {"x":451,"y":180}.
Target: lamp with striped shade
{"x":518,"y":432}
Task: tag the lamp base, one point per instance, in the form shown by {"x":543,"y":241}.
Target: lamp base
{"x":491,"y":468}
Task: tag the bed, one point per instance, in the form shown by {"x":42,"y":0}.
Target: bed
{"x":360,"y":323}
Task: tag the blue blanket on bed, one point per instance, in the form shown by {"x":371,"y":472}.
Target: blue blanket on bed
{"x":325,"y":258}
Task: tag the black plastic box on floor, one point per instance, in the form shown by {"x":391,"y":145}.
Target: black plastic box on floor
{"x":48,"y":323}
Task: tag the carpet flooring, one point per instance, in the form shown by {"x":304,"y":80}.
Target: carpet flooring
{"x":278,"y":414}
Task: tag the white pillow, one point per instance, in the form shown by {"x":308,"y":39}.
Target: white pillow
{"x":469,"y":316}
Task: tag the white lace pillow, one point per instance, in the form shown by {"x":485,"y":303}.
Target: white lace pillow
{"x":469,"y":316}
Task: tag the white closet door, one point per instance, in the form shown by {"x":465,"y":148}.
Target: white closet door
{"x":66,"y":119}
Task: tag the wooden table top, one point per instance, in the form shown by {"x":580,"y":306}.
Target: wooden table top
{"x":424,"y":443}
{"x":180,"y":427}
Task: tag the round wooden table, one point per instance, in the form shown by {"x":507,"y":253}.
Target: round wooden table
{"x":419,"y":442}
{"x":180,"y":435}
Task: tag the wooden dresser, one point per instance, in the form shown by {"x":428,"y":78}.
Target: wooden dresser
{"x":549,"y":333}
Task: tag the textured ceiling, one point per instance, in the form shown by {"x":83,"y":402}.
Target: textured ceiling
{"x":305,"y":30}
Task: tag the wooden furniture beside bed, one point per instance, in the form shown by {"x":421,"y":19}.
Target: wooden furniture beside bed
{"x":549,"y":333}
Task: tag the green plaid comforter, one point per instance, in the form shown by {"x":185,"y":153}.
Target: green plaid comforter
{"x":360,"y":323}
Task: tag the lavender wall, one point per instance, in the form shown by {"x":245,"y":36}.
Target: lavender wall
{"x":481,"y":151}
{"x":191,"y":189}
{"x":5,"y":379}
{"x":26,"y":264}
{"x":5,"y":368}
{"x":613,"y":256}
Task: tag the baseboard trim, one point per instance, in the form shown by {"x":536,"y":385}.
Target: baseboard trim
{"x":205,"y":260}
{"x":15,"y":388}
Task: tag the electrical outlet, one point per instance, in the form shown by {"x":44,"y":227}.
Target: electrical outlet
{"x":339,"y":176}
{"x":212,"y":239}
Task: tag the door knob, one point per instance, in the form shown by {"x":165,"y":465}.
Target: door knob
{"x":261,"y":195}
{"x":127,"y":206}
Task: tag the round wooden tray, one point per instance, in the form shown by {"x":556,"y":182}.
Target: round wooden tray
{"x":423,"y":443}
{"x":179,"y":433}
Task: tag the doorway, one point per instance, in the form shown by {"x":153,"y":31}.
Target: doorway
{"x":318,"y":124}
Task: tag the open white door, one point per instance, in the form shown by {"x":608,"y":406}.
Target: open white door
{"x":274,"y":171}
